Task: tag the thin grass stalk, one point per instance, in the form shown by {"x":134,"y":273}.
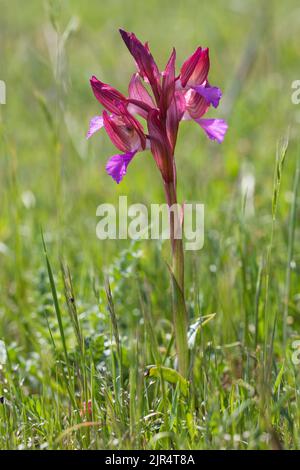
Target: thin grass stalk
{"x":291,"y":239}
{"x":60,"y":325}
{"x":267,"y":358}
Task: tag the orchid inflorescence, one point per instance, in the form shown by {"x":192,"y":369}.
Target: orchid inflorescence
{"x":187,"y":96}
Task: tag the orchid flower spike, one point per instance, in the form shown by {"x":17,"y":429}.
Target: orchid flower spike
{"x":172,"y":100}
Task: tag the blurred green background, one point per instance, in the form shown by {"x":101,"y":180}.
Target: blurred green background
{"x":253,"y":48}
{"x":52,"y":178}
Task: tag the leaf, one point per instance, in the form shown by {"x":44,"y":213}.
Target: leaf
{"x":196,"y":326}
{"x":278,"y":378}
{"x":55,"y":301}
{"x":169,"y":375}
{"x":280,"y":158}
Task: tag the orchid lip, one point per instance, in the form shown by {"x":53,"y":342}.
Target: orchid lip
{"x":211,"y":94}
{"x":117,"y":165}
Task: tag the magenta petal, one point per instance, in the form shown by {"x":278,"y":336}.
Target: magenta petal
{"x":117,"y":165}
{"x":138,"y":107}
{"x":195,"y":69}
{"x":160,"y":145}
{"x":189,"y":66}
{"x":196,"y":105}
{"x":168,"y":83}
{"x":138,"y":92}
{"x":212,"y":94}
{"x":214,"y":128}
{"x":117,"y":133}
{"x":96,"y":123}
{"x":144,"y":60}
{"x":108,"y":96}
{"x":174,"y":115}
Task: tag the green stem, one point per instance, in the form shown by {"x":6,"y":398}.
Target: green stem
{"x":178,"y":301}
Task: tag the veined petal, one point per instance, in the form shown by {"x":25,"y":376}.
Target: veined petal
{"x":168,"y":83}
{"x":138,"y":92}
{"x":212,"y":94}
{"x":132,"y":123}
{"x":144,"y":60}
{"x":214,"y":128}
{"x":180,"y":103}
{"x":125,"y":132}
{"x":195,"y":69}
{"x":174,"y":115}
{"x":106,"y":95}
{"x":160,"y":146}
{"x":96,"y":123}
{"x":117,"y":132}
{"x":138,"y":107}
{"x":117,"y":165}
{"x":201,"y":70}
{"x":189,"y":66}
{"x":196,"y":105}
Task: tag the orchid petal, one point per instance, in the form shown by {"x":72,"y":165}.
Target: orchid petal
{"x":211,"y":94}
{"x":115,"y":132}
{"x":160,"y":146}
{"x":96,"y":123}
{"x":214,"y":128}
{"x":138,"y":92}
{"x":125,"y":132}
{"x":138,"y":107}
{"x":106,"y":95}
{"x":174,"y":115}
{"x":196,"y":105}
{"x":180,"y":103}
{"x":168,"y":83}
{"x":144,"y":60}
{"x":132,"y":125}
{"x":189,"y":66}
{"x":195,"y":69}
{"x":117,"y":165}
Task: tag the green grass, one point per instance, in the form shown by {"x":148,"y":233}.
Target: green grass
{"x":82,"y":319}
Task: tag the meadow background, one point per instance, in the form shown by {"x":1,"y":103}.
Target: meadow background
{"x":66,"y":342}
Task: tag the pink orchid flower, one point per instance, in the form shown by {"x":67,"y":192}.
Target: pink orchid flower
{"x":199,"y":95}
{"x":173,"y":99}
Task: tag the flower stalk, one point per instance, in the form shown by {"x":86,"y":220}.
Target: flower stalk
{"x":180,"y":318}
